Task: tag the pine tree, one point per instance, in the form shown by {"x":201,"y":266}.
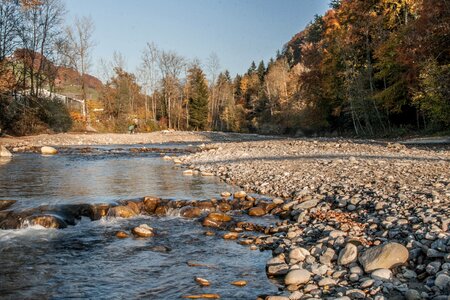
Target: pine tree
{"x":198,"y":99}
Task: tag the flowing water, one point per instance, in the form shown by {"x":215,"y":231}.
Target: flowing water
{"x":88,"y":261}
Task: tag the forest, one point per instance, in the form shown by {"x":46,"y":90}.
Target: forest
{"x":364,"y":68}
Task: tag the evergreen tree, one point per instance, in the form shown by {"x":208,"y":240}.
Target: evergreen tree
{"x":261,"y":71}
{"x":252,"y":68}
{"x":198,"y":98}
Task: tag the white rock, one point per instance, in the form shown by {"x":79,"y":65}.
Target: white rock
{"x":4,"y":152}
{"x":297,"y":277}
{"x":46,"y":150}
{"x":382,"y":274}
{"x":348,"y":255}
{"x":384,"y":256}
{"x":298,"y":254}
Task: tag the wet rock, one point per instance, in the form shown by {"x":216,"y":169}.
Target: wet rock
{"x":219,"y":217}
{"x":46,"y":150}
{"x":231,"y":236}
{"x":160,"y":249}
{"x":240,"y":195}
{"x":143,"y":230}
{"x":202,"y":281}
{"x":190,"y":212}
{"x":202,"y":296}
{"x":4,"y":204}
{"x":239,"y":283}
{"x":161,"y":210}
{"x":216,"y":220}
{"x":297,"y":277}
{"x":256,"y":212}
{"x":47,"y":221}
{"x":188,"y":172}
{"x":122,"y":234}
{"x":121,"y":211}
{"x":225,"y":194}
{"x":384,"y":257}
{"x":4,"y":152}
{"x":348,"y":255}
{"x":224,"y":207}
{"x":99,"y":210}
{"x":150,"y":204}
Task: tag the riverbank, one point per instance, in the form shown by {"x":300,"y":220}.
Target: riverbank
{"x":366,"y":219}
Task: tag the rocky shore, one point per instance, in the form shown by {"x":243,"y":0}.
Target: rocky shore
{"x":363,"y":220}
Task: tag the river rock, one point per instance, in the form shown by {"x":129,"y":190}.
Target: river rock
{"x":297,"y":277}
{"x":231,"y":236}
{"x":46,"y":150}
{"x":122,"y":234}
{"x":308,"y":204}
{"x":384,"y":256}
{"x":219,"y":217}
{"x":240,"y":195}
{"x":382,"y":274}
{"x":298,"y":254}
{"x":202,"y":281}
{"x":47,"y":221}
{"x":225,"y":194}
{"x":150,"y":204}
{"x":256,"y":212}
{"x":121,"y":211}
{"x":190,"y":212}
{"x":216,"y":220}
{"x":4,"y":152}
{"x":348,"y":255}
{"x":143,"y":230}
{"x":412,"y":295}
{"x":442,"y":281}
{"x":4,"y":204}
{"x":239,"y":283}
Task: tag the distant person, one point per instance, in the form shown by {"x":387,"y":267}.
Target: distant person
{"x":132,"y":128}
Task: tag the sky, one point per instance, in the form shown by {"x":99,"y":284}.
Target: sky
{"x":238,"y":31}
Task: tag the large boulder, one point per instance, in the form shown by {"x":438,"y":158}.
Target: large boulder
{"x":46,"y":150}
{"x":385,"y":256}
{"x":4,"y":152}
{"x":150,"y":204}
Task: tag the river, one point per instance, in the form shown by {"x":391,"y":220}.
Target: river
{"x":88,"y":261}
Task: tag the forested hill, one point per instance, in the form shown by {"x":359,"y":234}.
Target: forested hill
{"x":366,"y":67}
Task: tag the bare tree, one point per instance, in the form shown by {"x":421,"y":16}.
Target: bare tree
{"x":39,"y":31}
{"x":171,"y":65}
{"x":213,"y":69}
{"x":79,"y":47}
{"x":149,"y":75}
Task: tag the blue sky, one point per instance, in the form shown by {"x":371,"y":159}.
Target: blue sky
{"x":238,"y":31}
